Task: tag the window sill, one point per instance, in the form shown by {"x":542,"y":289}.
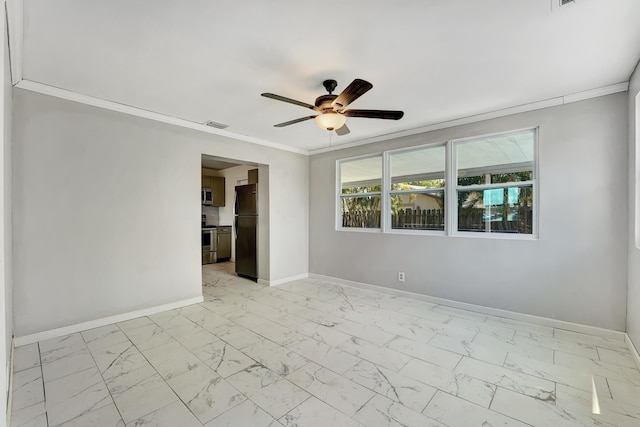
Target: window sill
{"x":359,"y":230}
{"x":494,"y":236}
{"x":434,"y":233}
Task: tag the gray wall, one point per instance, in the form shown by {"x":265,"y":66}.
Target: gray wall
{"x":633,"y":297}
{"x":107,"y":212}
{"x":575,"y":272}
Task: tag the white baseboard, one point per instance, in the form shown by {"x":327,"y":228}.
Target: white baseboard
{"x":66,"y":330}
{"x":544,"y":321}
{"x":285,"y":280}
{"x":634,"y":351}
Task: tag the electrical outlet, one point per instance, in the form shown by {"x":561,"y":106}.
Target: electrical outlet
{"x":400,"y":276}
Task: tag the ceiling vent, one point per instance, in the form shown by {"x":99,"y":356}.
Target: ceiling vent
{"x":216,"y":125}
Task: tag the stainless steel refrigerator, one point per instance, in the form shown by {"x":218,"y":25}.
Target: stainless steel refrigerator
{"x":246,"y":226}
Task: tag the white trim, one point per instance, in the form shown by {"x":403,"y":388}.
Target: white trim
{"x":388,"y":192}
{"x":385,"y":194}
{"x":450,"y":190}
{"x":538,"y":320}
{"x":91,"y":324}
{"x":360,"y":229}
{"x":450,"y":180}
{"x":452,"y":177}
{"x":493,"y":235}
{"x":138,"y":112}
{"x":551,"y":102}
{"x":285,"y":280}
{"x":634,"y":351}
{"x":134,"y":111}
{"x":416,"y":232}
{"x":340,"y":196}
{"x":15,"y":21}
{"x":594,"y":93}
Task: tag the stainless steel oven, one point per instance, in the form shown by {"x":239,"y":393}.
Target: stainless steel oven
{"x":209,"y":245}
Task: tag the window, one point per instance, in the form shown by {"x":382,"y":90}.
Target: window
{"x":473,"y":186}
{"x":495,"y":177}
{"x":360,"y":192}
{"x":416,"y":196}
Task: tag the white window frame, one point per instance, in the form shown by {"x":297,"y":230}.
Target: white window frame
{"x":451,"y":189}
{"x":340,"y":196}
{"x":387,"y":192}
{"x":452,"y":177}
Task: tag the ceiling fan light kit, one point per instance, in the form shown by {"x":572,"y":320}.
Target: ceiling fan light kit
{"x":330,"y":120}
{"x":331,"y":107}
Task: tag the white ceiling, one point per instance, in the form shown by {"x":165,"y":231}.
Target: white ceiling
{"x":437,"y":60}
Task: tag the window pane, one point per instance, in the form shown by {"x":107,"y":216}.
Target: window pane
{"x":361,"y":175}
{"x":418,"y":211}
{"x":496,"y":210}
{"x":496,"y":159}
{"x":418,"y":169}
{"x":361,"y":212}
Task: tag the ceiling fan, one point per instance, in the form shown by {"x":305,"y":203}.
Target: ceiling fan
{"x":331,"y":107}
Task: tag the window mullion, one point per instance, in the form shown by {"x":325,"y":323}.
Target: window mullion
{"x":451,"y":199}
{"x":385,"y":209}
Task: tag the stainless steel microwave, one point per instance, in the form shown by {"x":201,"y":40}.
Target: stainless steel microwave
{"x":207,"y":196}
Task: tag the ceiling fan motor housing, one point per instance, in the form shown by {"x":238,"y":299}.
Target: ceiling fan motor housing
{"x":324,"y":102}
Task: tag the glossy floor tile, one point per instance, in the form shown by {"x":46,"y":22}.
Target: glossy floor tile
{"x":315,"y":353}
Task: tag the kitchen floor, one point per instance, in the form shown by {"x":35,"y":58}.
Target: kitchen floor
{"x":313,"y":353}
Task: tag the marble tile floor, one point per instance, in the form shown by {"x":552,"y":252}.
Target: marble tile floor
{"x":314,"y":353}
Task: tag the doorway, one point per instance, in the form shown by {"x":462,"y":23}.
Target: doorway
{"x":218,"y":212}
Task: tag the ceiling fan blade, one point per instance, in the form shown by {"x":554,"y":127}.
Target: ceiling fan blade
{"x":292,"y":122}
{"x":343,"y":130}
{"x":355,"y":90}
{"x":375,"y":114}
{"x":289,"y":100}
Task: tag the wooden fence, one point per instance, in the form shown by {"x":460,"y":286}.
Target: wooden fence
{"x":361,"y":219}
{"x":470,"y":219}
{"x":420,"y":219}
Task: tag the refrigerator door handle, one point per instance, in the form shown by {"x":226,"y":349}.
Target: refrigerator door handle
{"x":235,"y":228}
{"x":235,"y":204}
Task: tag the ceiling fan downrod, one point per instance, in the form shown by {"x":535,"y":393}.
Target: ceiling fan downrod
{"x":330,"y":85}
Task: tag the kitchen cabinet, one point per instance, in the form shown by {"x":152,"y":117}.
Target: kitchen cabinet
{"x":216,"y":184}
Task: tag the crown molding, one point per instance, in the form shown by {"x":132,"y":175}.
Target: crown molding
{"x":551,"y":102}
{"x":594,"y":93}
{"x":15,"y":26}
{"x":139,"y":112}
